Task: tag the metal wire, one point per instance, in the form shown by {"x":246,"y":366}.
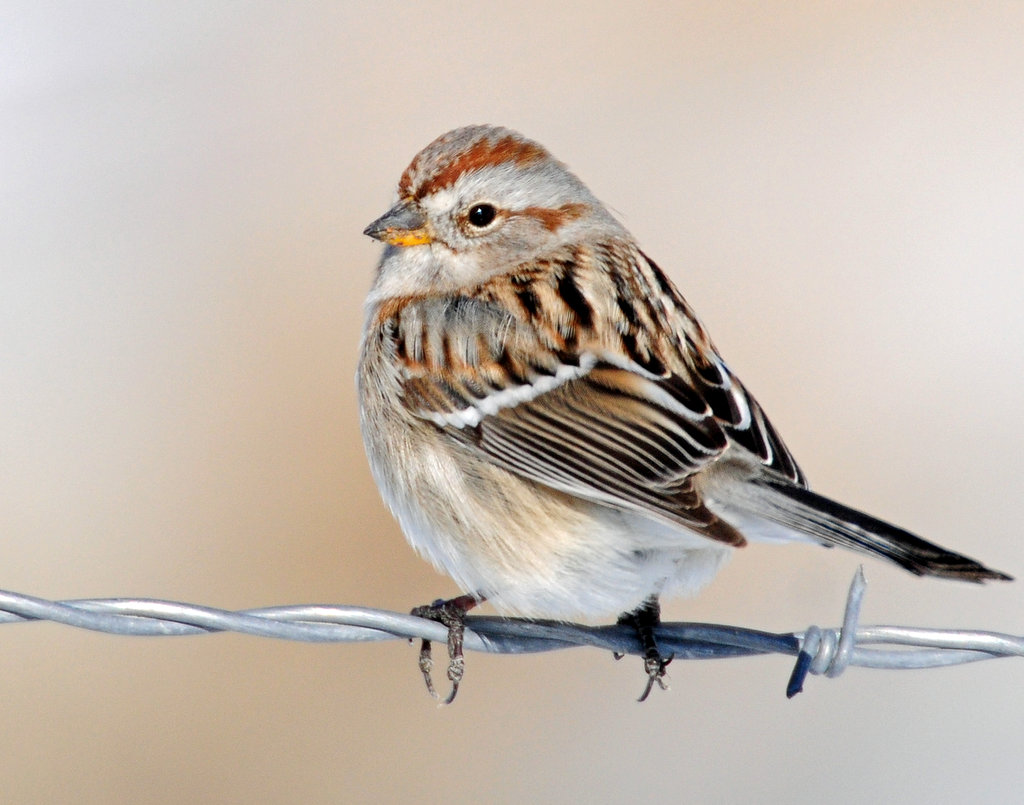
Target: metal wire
{"x":818,"y":651}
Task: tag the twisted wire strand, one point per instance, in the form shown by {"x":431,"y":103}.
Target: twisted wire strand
{"x":818,"y":651}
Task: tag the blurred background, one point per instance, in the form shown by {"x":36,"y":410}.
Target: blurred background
{"x":838,"y":188}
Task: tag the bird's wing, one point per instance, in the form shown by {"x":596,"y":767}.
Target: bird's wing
{"x":599,"y":386}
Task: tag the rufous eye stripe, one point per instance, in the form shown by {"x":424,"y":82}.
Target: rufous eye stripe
{"x":552,"y":219}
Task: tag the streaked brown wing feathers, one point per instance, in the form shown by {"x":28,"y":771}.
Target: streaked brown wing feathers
{"x":585,"y":376}
{"x":583,"y":439}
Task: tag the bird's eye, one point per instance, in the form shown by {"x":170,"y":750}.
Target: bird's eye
{"x":480,"y":215}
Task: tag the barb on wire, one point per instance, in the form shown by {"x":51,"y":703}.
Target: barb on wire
{"x":817,"y":650}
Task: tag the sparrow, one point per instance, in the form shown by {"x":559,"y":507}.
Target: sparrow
{"x":548,"y":420}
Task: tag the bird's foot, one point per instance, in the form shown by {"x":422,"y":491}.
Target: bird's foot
{"x":644,"y":619}
{"x":451,"y":614}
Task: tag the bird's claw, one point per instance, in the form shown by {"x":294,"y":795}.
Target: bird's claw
{"x":654,"y":666}
{"x":452,"y":615}
{"x":644,"y":619}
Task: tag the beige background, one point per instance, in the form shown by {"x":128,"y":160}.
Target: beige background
{"x":837,"y":188}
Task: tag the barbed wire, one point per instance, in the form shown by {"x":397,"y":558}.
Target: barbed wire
{"x":818,"y":651}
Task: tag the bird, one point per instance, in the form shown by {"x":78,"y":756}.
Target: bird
{"x":548,"y":420}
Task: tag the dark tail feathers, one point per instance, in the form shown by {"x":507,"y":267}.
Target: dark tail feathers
{"x":836,"y":524}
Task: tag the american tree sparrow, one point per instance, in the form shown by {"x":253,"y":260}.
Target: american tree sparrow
{"x":547,"y":418}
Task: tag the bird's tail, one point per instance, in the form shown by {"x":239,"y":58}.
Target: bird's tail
{"x":835,"y":524}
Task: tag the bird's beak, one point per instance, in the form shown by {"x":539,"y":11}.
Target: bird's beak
{"x":402,"y":225}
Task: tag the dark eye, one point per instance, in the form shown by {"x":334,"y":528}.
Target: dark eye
{"x":480,"y":215}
